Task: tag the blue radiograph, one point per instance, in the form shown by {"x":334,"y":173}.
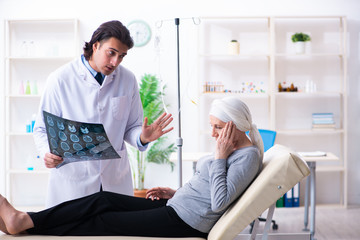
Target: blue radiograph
{"x":77,"y":141}
{"x":52,"y":132}
{"x":74,"y":138}
{"x":68,"y":154}
{"x":53,"y":143}
{"x":65,"y":146}
{"x":72,"y":128}
{"x":77,"y":146}
{"x":62,"y":136}
{"x":50,"y":121}
{"x":87,"y":139}
{"x":100,"y":138}
{"x":84,"y":130}
{"x":60,"y":125}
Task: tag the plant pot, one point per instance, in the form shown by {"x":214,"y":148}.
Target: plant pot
{"x":140,"y":193}
{"x":299,"y":47}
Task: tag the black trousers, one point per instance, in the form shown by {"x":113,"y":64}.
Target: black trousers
{"x":111,"y":214}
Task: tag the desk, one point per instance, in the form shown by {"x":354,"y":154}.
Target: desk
{"x":310,"y":190}
{"x":189,"y":157}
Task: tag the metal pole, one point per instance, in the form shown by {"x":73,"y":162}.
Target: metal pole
{"x":306,"y":203}
{"x":179,"y":140}
{"x":312,"y":199}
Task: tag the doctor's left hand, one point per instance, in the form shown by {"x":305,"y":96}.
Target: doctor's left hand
{"x":156,"y":129}
{"x":52,"y":160}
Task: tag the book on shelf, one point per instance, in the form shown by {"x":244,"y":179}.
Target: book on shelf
{"x":291,"y":197}
{"x":324,"y":128}
{"x":323,"y":121}
{"x":280,"y":202}
{"x":321,"y":126}
{"x":288,"y":198}
{"x":323,"y":115}
{"x":296,"y":193}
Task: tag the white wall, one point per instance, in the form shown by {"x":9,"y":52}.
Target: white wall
{"x":146,"y":60}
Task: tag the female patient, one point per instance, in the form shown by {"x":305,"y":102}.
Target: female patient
{"x":191,"y":211}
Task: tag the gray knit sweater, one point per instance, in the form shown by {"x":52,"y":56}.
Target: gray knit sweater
{"x":215,"y":185}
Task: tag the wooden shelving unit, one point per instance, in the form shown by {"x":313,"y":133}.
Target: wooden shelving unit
{"x":267,"y":57}
{"x":34,"y":48}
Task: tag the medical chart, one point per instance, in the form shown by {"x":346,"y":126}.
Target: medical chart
{"x":77,"y":141}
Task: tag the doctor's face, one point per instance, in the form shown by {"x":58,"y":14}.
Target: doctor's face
{"x":107,"y":55}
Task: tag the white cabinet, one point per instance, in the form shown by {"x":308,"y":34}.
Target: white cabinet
{"x":266,"y":58}
{"x":34,"y":48}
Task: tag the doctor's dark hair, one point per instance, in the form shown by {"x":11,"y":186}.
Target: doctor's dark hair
{"x":107,"y":30}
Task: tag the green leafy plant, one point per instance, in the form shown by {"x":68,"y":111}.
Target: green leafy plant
{"x":300,"y":37}
{"x":158,"y":151}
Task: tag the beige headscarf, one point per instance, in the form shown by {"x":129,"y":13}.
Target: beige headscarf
{"x":235,"y":110}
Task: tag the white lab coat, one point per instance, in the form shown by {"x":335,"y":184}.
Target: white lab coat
{"x":73,"y":93}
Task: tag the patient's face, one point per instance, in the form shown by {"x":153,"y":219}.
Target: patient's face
{"x":216,"y":126}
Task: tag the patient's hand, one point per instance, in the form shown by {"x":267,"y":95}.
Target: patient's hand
{"x":225,"y":143}
{"x":158,"y":193}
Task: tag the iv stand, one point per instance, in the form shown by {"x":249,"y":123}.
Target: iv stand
{"x":179,"y":140}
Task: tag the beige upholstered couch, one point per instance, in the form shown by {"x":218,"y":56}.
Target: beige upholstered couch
{"x":282,"y":170}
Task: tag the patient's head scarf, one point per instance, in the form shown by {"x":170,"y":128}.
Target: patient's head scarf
{"x":235,"y":110}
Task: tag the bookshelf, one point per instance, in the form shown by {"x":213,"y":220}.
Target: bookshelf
{"x":266,"y":58}
{"x":33,"y":49}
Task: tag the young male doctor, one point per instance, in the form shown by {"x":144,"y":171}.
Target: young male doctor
{"x":95,"y":88}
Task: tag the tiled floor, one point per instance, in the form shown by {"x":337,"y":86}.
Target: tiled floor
{"x":331,"y":223}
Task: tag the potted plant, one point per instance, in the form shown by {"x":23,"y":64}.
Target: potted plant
{"x":299,"y":40}
{"x":158,"y":151}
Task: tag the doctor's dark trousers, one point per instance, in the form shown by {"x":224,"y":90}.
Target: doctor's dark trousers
{"x":111,"y":214}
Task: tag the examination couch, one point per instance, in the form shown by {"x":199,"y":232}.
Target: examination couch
{"x":282,"y":170}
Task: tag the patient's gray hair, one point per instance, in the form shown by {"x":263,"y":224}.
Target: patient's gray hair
{"x":235,"y":110}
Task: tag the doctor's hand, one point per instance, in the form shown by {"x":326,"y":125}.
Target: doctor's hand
{"x":156,"y":129}
{"x":225,"y":143}
{"x":158,"y":193}
{"x":52,"y":160}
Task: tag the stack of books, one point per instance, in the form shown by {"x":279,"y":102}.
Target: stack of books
{"x":323,"y":121}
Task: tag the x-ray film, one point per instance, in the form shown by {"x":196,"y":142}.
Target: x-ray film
{"x":77,"y":141}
